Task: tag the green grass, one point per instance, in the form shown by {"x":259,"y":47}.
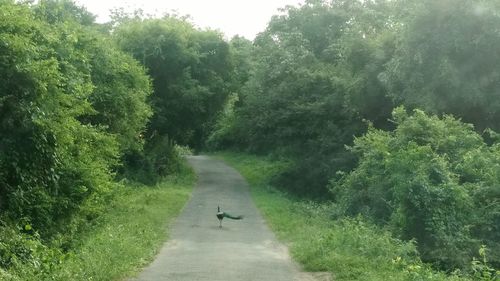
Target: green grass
{"x":124,"y":239}
{"x":130,"y":234}
{"x":349,"y":248}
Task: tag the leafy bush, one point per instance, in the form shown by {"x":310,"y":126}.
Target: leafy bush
{"x":125,"y":237}
{"x":481,"y":269}
{"x":19,"y":248}
{"x":430,"y":179}
{"x":161,"y":157}
{"x":57,"y":151}
{"x":50,"y":162}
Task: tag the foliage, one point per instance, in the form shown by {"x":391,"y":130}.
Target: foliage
{"x":160,"y":158}
{"x":424,"y":179}
{"x":18,"y":249}
{"x":119,"y":96}
{"x":189,"y":68}
{"x":446,"y":59}
{"x":120,"y":86}
{"x":223,"y":134}
{"x":480,"y":268}
{"x":119,"y":243}
{"x":313,"y":80}
{"x":324,"y":72}
{"x":74,"y":110}
{"x":59,"y":11}
{"x":61,"y":136}
{"x":241,"y":51}
{"x":50,"y":161}
{"x":348,"y":248}
{"x":289,"y":104}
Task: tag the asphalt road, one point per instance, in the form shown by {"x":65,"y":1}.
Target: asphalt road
{"x":242,"y":250}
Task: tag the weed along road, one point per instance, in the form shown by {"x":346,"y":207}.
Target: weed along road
{"x":242,"y":250}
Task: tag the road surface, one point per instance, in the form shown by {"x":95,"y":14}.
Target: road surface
{"x":242,"y":250}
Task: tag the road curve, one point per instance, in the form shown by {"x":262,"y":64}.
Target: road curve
{"x":244,"y":250}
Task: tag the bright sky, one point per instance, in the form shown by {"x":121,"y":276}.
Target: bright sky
{"x":243,"y":17}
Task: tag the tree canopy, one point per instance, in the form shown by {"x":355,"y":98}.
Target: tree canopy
{"x":190,"y":70}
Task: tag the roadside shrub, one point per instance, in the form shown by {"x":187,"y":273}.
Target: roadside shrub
{"x":161,"y":157}
{"x":18,"y":247}
{"x":431,"y":179}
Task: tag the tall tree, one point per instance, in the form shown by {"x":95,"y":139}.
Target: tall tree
{"x":447,"y":59}
{"x":53,"y":160}
{"x":315,"y":78}
{"x":190,"y":71}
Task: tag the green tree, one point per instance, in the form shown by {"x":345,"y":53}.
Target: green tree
{"x":314,"y":79}
{"x":190,"y":70}
{"x":446,"y":59}
{"x":120,"y":85}
{"x":50,"y":162}
{"x":68,"y":109}
{"x":224,"y":133}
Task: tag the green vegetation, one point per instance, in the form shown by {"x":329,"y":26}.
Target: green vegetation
{"x":74,"y":115}
{"x":326,"y":88}
{"x":120,"y":242}
{"x":191,"y":72}
{"x":190,"y":69}
{"x":59,"y":145}
{"x":322,"y":240}
{"x":445,"y":59}
{"x":443,"y":183}
{"x":385,"y":110}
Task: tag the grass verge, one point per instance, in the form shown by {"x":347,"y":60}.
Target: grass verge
{"x":124,"y":238}
{"x":349,"y":248}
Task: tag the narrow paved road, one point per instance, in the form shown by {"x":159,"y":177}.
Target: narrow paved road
{"x":241,"y":251}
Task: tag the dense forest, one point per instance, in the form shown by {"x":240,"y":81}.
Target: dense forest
{"x":387,"y":109}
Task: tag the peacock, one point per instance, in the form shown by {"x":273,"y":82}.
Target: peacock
{"x":221,"y":215}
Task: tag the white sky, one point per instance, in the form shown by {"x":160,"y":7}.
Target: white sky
{"x":243,"y":17}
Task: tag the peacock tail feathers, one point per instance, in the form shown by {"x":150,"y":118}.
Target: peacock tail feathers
{"x":226,"y":215}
